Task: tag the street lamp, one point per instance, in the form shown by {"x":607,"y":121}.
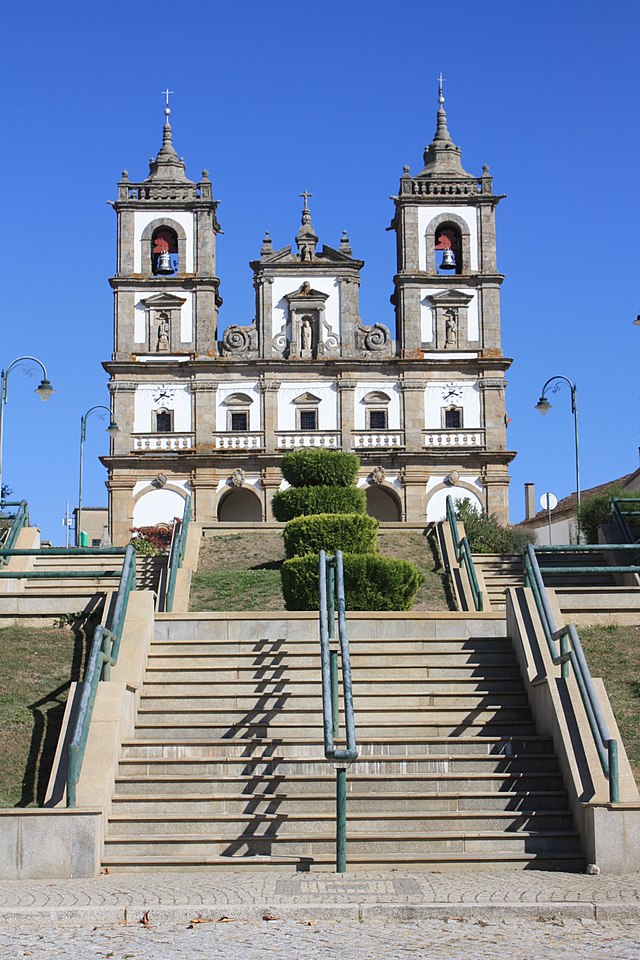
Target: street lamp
{"x":44,"y":391}
{"x":543,"y":406}
{"x":112,"y":429}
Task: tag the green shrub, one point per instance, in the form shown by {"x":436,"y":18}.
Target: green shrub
{"x":371,"y":582}
{"x":303,"y":501}
{"x":597,"y":510}
{"x":486,"y":534}
{"x":152,"y":541}
{"x":316,"y":468}
{"x":349,"y":532}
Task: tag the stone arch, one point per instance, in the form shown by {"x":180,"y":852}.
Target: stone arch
{"x":146,"y":253}
{"x":465,"y":238}
{"x":383,"y":503}
{"x":155,"y":504}
{"x":239,"y":505}
{"x":437,"y":498}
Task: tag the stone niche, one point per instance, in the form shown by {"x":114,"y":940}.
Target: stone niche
{"x":307,"y":334}
{"x":451,"y":324}
{"x":163,"y":315}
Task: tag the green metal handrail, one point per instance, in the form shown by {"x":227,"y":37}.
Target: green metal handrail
{"x":331,"y":588}
{"x":20,"y":520}
{"x":619,"y":514}
{"x":571,"y":654}
{"x":586,"y":548}
{"x":463,"y":555}
{"x":104,"y":654}
{"x":176,"y":553}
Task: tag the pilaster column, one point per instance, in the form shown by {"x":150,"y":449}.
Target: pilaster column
{"x":123,"y":411}
{"x":204,"y":486}
{"x":496,"y":481}
{"x":271,"y":479}
{"x":413,"y":413}
{"x":493,"y":412}
{"x":346,"y":391}
{"x":204,"y":412}
{"x":264,"y":313}
{"x":269,"y":388}
{"x":120,"y":509}
{"x":414,"y":481}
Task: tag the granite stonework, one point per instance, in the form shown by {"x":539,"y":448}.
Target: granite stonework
{"x":424,"y":411}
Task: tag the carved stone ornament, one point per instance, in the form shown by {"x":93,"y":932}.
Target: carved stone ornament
{"x":160,"y":480}
{"x":237,"y":477}
{"x":375,"y":339}
{"x":239,"y":341}
{"x":378,"y":474}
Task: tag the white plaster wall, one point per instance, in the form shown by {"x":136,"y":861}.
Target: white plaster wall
{"x":186,"y":315}
{"x":226,"y":390}
{"x":468,"y":399}
{"x":144,"y":485}
{"x":428,"y":314}
{"x":327,"y":408}
{"x":178,"y":400}
{"x":393,"y":479}
{"x":325,"y":284}
{"x":427,"y":214}
{"x":391,"y":389}
{"x":250,"y":480}
{"x":562,"y":531}
{"x":142,"y":218}
{"x":437,"y":504}
{"x":157,"y":506}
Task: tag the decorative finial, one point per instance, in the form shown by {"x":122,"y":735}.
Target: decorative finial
{"x":167,"y":110}
{"x":345,"y":246}
{"x":267,"y":245}
{"x":406,"y":170}
{"x":306,"y":196}
{"x":441,"y":80}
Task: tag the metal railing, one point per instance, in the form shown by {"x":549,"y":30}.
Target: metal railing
{"x":176,"y":554}
{"x":103,"y":655}
{"x":332,"y":588}
{"x":463,"y":555}
{"x":98,"y":552}
{"x":586,"y":548}
{"x":572,"y":655}
{"x":19,"y":520}
{"x":621,"y":508}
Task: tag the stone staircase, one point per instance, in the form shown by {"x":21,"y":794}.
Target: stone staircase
{"x":499,"y":572}
{"x":226,"y":768}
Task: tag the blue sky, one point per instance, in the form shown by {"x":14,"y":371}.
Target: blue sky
{"x":333,"y":98}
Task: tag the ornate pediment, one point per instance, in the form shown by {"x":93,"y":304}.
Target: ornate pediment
{"x":450,"y":298}
{"x":305,"y":295}
{"x":307,"y":398}
{"x":163,"y":301}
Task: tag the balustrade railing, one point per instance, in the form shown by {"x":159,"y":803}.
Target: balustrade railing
{"x":379,"y":439}
{"x":238,"y":441}
{"x":294,"y":439}
{"x":453,"y":438}
{"x":162,"y":441}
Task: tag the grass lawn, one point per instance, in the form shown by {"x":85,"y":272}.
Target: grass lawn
{"x":241,"y":571}
{"x":613,"y":653}
{"x":36,"y":668}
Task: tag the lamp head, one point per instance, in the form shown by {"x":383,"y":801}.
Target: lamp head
{"x":543,"y":406}
{"x":44,"y":389}
{"x":113,"y":428}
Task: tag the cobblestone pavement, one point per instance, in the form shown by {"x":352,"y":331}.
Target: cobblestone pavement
{"x":453,"y":939}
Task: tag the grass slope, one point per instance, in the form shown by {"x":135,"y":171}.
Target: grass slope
{"x":613,"y":653}
{"x":241,"y":571}
{"x":36,"y":668}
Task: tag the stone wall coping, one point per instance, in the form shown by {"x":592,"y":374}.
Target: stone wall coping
{"x":426,"y":615}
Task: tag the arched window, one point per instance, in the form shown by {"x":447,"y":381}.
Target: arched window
{"x":238,"y":413}
{"x":164,"y":251}
{"x":452,"y":418}
{"x":163,"y":421}
{"x":376,"y":410}
{"x":307,"y":412}
{"x":448,"y":248}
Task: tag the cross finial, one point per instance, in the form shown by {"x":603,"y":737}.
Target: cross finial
{"x":441,"y":80}
{"x":306,"y":196}
{"x":167,"y":93}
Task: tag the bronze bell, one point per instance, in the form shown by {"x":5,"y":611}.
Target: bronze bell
{"x":164,"y":264}
{"x":448,"y":259}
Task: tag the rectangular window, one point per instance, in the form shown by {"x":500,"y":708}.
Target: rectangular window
{"x":239,"y":422}
{"x":453,"y":419}
{"x":164,"y":421}
{"x":308,"y":419}
{"x":377,"y":419}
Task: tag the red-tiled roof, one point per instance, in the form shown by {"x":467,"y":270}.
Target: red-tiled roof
{"x":568,"y":505}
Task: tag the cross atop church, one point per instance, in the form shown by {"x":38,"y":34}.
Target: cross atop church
{"x":441,"y":80}
{"x":167,"y":93}
{"x":306,"y":196}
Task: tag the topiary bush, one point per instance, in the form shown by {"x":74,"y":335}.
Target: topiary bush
{"x":486,"y":534}
{"x":371,"y":582}
{"x":315,"y":468}
{"x":349,"y":532}
{"x":303,"y":501}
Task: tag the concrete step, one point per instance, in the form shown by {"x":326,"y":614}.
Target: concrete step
{"x":406,"y":690}
{"x":481,"y":724}
{"x":251,"y":651}
{"x":204,"y":669}
{"x":322,"y":802}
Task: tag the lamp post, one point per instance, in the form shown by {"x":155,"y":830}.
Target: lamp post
{"x":44,"y":391}
{"x":543,"y":406}
{"x":112,"y":429}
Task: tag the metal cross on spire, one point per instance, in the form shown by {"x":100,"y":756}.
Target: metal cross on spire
{"x":441,"y":80}
{"x":167,"y":93}
{"x":306,"y":196}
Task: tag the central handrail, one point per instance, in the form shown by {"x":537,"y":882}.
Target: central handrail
{"x":331,"y":588}
{"x":20,"y":519}
{"x":572,"y":654}
{"x":463,"y":555}
{"x":176,"y":553}
{"x":620,"y":511}
{"x":103,"y":655}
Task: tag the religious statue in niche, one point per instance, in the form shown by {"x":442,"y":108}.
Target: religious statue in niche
{"x":451,"y":328}
{"x":306,"y":337}
{"x":162,"y":344}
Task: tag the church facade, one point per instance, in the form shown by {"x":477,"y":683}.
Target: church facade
{"x":212,"y":413}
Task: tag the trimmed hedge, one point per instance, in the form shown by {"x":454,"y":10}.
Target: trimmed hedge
{"x":320,"y":468}
{"x":302,"y":501}
{"x":349,"y":532}
{"x":371,"y":582}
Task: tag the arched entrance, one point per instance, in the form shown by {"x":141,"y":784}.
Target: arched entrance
{"x":383,"y":504}
{"x":239,"y":506}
